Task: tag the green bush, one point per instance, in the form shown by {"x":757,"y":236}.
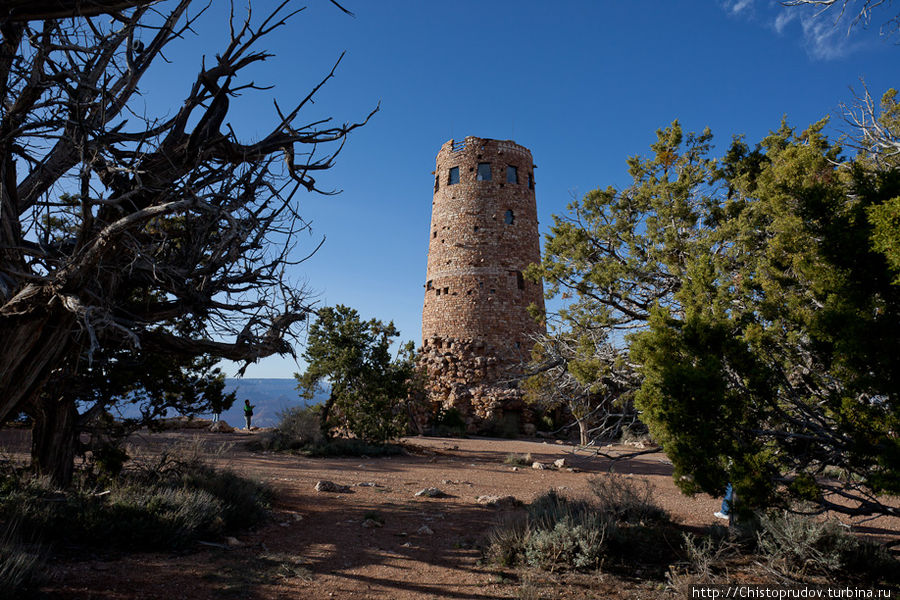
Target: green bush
{"x":169,"y":505}
{"x":798,"y":546}
{"x":623,"y":525}
{"x":557,"y":532}
{"x":575,"y":542}
{"x":338,"y":447}
{"x":448,"y":422}
{"x":299,"y":431}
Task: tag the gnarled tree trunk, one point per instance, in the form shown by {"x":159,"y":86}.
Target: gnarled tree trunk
{"x":54,"y":438}
{"x":37,"y":335}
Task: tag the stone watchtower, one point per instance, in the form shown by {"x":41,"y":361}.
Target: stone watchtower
{"x":476,"y":329}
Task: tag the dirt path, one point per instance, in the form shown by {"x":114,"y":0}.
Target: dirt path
{"x":379,"y":540}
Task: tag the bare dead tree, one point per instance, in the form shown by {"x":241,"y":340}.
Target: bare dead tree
{"x":870,"y":134}
{"x":594,"y":388}
{"x":115,"y":225}
{"x":857,"y":12}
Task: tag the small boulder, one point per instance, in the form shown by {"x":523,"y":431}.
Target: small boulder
{"x":425,"y":530}
{"x":330,"y":486}
{"x":538,"y":466}
{"x":431,"y":492}
{"x":559,"y":463}
{"x":498,"y":501}
{"x":529,"y":429}
{"x":221,"y":427}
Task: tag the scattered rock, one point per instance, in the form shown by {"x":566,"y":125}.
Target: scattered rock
{"x":431,"y":492}
{"x":498,"y":501}
{"x":234,"y":542}
{"x":368,"y":484}
{"x":370,"y":523}
{"x":559,"y":463}
{"x":406,"y":545}
{"x":529,"y":429}
{"x":330,"y":486}
{"x":515,"y":468}
{"x":221,"y":427}
{"x":538,"y":465}
{"x":425,"y":530}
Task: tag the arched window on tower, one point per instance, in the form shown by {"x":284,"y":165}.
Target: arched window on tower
{"x":509,"y":218}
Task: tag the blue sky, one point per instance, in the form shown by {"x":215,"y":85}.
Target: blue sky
{"x":583,"y":84}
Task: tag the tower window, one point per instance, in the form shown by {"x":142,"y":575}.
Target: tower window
{"x":512,"y":174}
{"x":509,"y":218}
{"x":531,"y":181}
{"x":437,"y":292}
{"x":434,"y":234}
{"x":484,"y":172}
{"x":520,"y":280}
{"x":475,"y":228}
{"x":446,"y":291}
{"x":437,"y":182}
{"x":453,"y":178}
{"x":428,"y":285}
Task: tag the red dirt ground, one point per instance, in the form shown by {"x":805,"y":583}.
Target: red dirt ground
{"x":316,"y":546}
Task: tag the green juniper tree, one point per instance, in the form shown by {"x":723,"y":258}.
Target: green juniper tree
{"x":757,"y":299}
{"x":367,"y":388}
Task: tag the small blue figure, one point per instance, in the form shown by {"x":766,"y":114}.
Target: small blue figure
{"x":725,"y":513}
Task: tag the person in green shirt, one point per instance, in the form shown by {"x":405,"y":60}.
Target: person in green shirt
{"x":248,"y":412}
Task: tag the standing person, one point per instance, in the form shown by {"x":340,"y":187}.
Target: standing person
{"x":248,"y":412}
{"x":725,"y":513}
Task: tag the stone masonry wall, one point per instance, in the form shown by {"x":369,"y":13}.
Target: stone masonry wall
{"x":476,"y":329}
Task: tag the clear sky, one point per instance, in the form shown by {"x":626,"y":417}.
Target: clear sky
{"x":583,"y":84}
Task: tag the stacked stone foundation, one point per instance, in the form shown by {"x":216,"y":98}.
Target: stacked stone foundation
{"x":475,"y":379}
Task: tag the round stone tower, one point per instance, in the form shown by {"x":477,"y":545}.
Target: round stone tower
{"x":476,"y":329}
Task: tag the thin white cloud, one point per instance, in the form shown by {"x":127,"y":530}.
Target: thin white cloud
{"x":784,"y":19}
{"x":737,"y":7}
{"x":823,"y":39}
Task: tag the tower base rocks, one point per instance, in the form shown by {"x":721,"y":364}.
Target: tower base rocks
{"x":474,"y":378}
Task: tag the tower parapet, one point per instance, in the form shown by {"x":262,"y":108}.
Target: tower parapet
{"x":476,"y":329}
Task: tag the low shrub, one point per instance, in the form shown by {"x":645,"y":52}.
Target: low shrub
{"x":798,"y":546}
{"x":21,"y":565}
{"x":346,"y":447}
{"x":622,"y":526}
{"x":167,"y":505}
{"x":626,"y":499}
{"x":448,"y":423}
{"x":557,"y":532}
{"x":298,"y":427}
{"x":518,"y":460}
{"x":573,"y":542}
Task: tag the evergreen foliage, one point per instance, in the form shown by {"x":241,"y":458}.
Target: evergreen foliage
{"x":368,"y":389}
{"x":757,"y":293}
